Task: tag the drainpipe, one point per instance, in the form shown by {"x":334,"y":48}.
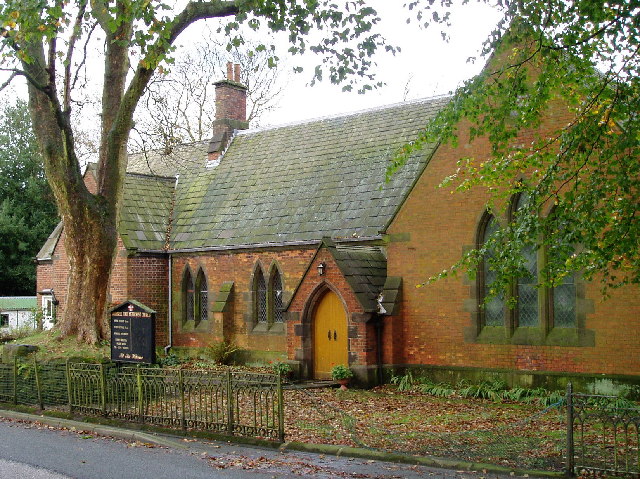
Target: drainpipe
{"x":170,"y":312}
{"x":379,"y":325}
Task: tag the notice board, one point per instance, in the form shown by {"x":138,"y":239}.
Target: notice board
{"x":133,"y":333}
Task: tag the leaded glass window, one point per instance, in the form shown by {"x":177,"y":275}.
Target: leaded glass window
{"x":276,"y":298}
{"x":494,"y":307}
{"x":203,"y":296}
{"x":564,"y":303}
{"x":527,"y":291}
{"x":528,"y":314}
{"x":189,"y":298}
{"x":261,"y":297}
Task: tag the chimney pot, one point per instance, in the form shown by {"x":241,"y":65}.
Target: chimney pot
{"x":231,"y":110}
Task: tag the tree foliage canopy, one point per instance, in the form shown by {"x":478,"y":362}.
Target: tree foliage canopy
{"x":27,"y":210}
{"x":582,"y":178}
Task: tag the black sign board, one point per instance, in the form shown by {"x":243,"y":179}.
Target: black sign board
{"x":133,"y":333}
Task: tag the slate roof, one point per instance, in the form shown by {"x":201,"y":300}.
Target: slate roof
{"x":144,"y":220}
{"x":18,"y":303}
{"x":146,"y":210}
{"x":301,"y":182}
{"x":49,"y":246}
{"x":180,"y":160}
{"x":364,"y":268}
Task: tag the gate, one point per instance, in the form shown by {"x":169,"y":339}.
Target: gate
{"x":602,"y":435}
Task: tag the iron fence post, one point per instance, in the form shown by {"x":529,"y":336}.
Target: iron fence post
{"x":38,"y":383}
{"x":183,"y":422}
{"x":229,"y":403}
{"x":570,"y":444}
{"x":280,"y":410}
{"x":140,"y":400}
{"x":103,"y":390}
{"x":69,"y":390}
{"x":15,"y":380}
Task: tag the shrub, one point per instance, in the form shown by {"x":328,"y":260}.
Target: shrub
{"x":169,"y":360}
{"x":222,"y":352}
{"x":341,"y":371}
{"x":281,"y":368}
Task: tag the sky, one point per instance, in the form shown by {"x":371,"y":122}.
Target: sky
{"x":426,"y":65}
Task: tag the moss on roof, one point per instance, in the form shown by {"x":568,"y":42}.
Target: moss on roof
{"x":304,"y":181}
{"x":180,"y":159}
{"x":146,"y":210}
{"x":364,"y":268}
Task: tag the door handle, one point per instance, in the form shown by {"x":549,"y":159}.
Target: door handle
{"x":335,"y":335}
{"x":329,"y":335}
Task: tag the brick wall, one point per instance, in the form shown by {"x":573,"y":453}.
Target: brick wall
{"x":148,"y":282}
{"x":220,"y":267}
{"x":434,"y":318}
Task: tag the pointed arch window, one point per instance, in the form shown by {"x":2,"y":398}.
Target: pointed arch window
{"x":540,"y":315}
{"x":202,"y":298}
{"x":492,"y":309}
{"x":268,"y":294}
{"x":188,"y":289}
{"x":563,"y":297}
{"x":527,"y":310}
{"x":277,"y":304}
{"x":261,"y":297}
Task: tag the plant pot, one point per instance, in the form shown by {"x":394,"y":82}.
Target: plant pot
{"x":343,"y":383}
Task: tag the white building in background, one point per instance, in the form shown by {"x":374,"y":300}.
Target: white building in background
{"x":17,"y":312}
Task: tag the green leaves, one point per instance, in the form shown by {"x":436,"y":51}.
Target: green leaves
{"x":27,"y":212}
{"x":558,"y":102}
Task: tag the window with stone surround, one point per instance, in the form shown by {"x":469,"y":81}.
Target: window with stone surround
{"x":275,"y":296}
{"x":201,"y":309}
{"x":268,"y":300}
{"x":261,"y":296}
{"x":540,"y":315}
{"x":188,"y":290}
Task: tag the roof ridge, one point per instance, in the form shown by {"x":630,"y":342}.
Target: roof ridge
{"x":151,"y":176}
{"x":343,"y":115}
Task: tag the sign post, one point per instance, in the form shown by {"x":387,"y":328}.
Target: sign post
{"x":133,"y":333}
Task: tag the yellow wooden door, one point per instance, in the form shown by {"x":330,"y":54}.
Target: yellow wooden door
{"x":330,"y":343}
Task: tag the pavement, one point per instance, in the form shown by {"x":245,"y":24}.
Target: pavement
{"x":204,"y":445}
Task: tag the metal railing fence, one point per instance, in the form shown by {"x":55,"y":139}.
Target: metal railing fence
{"x":235,"y":403}
{"x":603,"y":435}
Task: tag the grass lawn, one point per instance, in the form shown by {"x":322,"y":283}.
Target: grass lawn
{"x":53,"y":347}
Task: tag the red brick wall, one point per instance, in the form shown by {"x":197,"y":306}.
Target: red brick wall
{"x":148,"y":282}
{"x":238,"y":266}
{"x":54,"y":275}
{"x":231,"y":101}
{"x":434,"y":317}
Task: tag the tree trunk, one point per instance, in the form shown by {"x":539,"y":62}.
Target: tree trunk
{"x":90,"y":246}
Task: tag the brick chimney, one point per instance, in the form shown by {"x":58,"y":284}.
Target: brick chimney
{"x":231,"y":111}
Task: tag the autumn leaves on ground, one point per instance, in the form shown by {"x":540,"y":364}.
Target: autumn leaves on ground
{"x":475,"y":430}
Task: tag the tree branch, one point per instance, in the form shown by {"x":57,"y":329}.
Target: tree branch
{"x":77,"y":30}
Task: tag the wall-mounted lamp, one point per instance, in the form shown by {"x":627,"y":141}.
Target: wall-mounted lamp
{"x":321,"y":268}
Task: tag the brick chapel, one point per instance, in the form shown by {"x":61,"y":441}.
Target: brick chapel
{"x":288,"y":242}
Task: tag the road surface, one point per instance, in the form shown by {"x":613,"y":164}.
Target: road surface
{"x":36,"y":451}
